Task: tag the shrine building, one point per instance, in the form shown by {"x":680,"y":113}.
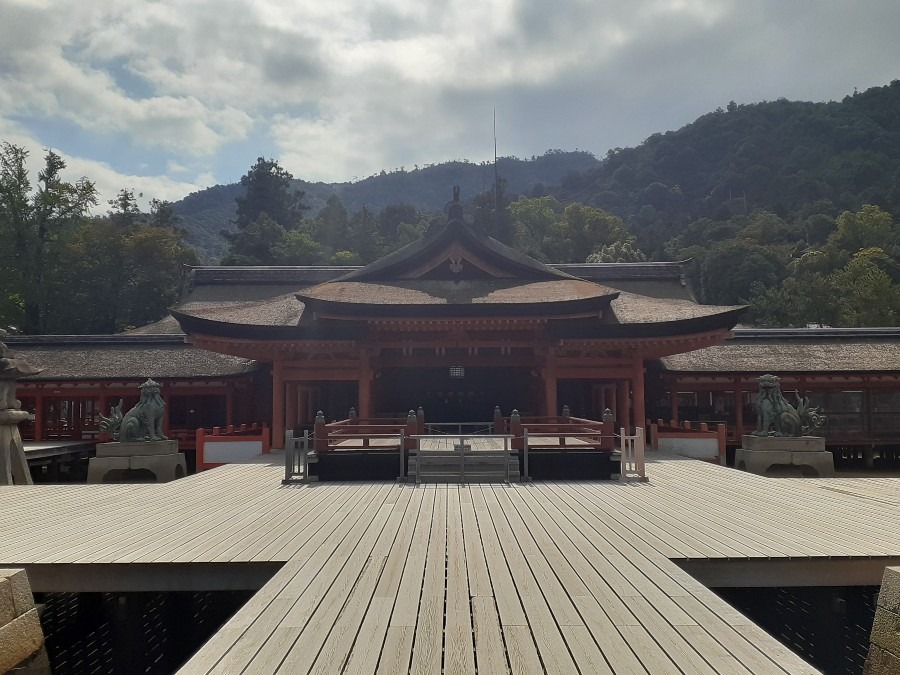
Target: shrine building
{"x":459,"y":325}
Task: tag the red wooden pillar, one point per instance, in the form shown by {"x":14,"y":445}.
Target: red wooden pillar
{"x":365,"y":386}
{"x":639,"y":404}
{"x":550,"y":403}
{"x":290,"y":416}
{"x":102,"y":409}
{"x":229,"y":405}
{"x":166,"y":401}
{"x":277,"y":406}
{"x":623,"y":411}
{"x":673,"y":401}
{"x":738,"y":410}
{"x":38,"y":417}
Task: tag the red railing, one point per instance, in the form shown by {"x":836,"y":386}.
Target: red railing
{"x":356,"y":433}
{"x":712,"y":438}
{"x":232,"y":444}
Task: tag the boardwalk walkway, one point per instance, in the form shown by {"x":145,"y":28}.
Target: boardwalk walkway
{"x":546,"y":577}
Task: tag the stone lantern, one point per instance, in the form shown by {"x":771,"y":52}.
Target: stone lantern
{"x":13,"y":465}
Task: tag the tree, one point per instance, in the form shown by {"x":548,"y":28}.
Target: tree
{"x":296,"y":248}
{"x":865,"y":293}
{"x":870,"y":227}
{"x":124,"y":210}
{"x":267,"y":190}
{"x":331,"y":224}
{"x":37,"y":222}
{"x":617,"y":252}
{"x":266,"y":212}
{"x":492,"y":213}
{"x":533,"y":223}
{"x":162,"y":214}
{"x":732,"y":267}
{"x":581,"y":230}
{"x":254,"y":243}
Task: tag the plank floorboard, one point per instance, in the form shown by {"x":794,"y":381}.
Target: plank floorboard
{"x":545,"y":577}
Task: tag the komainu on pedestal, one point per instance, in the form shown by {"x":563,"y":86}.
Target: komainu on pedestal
{"x":782,"y":440}
{"x":140,"y":451}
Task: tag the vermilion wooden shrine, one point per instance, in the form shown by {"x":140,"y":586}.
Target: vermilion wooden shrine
{"x":458,"y":324}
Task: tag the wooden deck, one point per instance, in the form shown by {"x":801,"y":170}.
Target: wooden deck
{"x":546,"y":577}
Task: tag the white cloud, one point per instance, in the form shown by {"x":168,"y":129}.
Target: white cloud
{"x":346,"y":87}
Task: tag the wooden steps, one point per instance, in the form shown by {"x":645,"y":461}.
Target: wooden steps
{"x":466,"y":466}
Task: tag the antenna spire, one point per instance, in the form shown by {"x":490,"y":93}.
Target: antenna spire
{"x":496,"y":175}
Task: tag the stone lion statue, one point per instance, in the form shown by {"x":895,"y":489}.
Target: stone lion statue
{"x":776,"y":417}
{"x":144,"y":422}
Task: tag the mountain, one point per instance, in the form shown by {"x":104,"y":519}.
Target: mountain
{"x":204,"y":214}
{"x":792,"y":158}
{"x":795,"y":159}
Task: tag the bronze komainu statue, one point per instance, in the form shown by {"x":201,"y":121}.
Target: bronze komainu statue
{"x":776,"y":417}
{"x":144,"y":422}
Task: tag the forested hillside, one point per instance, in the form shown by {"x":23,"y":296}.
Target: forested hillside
{"x":204,"y":214}
{"x":790,"y":207}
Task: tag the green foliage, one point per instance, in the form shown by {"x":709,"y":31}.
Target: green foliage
{"x":617,"y":252}
{"x":70,"y":273}
{"x":346,"y":258}
{"x":548,"y":231}
{"x":492,"y":213}
{"x":424,"y":190}
{"x":268,"y":190}
{"x":866,"y":295}
{"x":296,"y":248}
{"x":841,"y":285}
{"x":254,"y":243}
{"x":267,"y":211}
{"x":37,"y":223}
{"x":777,"y":156}
{"x":731,"y":268}
{"x":869,"y":228}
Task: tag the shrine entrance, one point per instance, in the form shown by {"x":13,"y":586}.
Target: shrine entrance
{"x":458,"y":393}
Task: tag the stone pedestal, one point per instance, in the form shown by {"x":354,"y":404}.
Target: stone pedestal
{"x":766,"y":454}
{"x":884,"y":649}
{"x":140,"y":461}
{"x":21,"y":636}
{"x":13,"y":465}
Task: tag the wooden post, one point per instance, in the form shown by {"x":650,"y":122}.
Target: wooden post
{"x":198,"y":449}
{"x":738,"y":410}
{"x":515,"y":430}
{"x":420,"y":420}
{"x":320,"y":440}
{"x":412,"y":428}
{"x":722,"y":432}
{"x":278,"y":404}
{"x":498,"y":420}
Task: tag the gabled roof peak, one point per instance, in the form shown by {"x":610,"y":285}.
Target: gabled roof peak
{"x":455,"y":251}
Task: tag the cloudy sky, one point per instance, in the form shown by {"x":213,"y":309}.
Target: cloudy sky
{"x":170,"y":96}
